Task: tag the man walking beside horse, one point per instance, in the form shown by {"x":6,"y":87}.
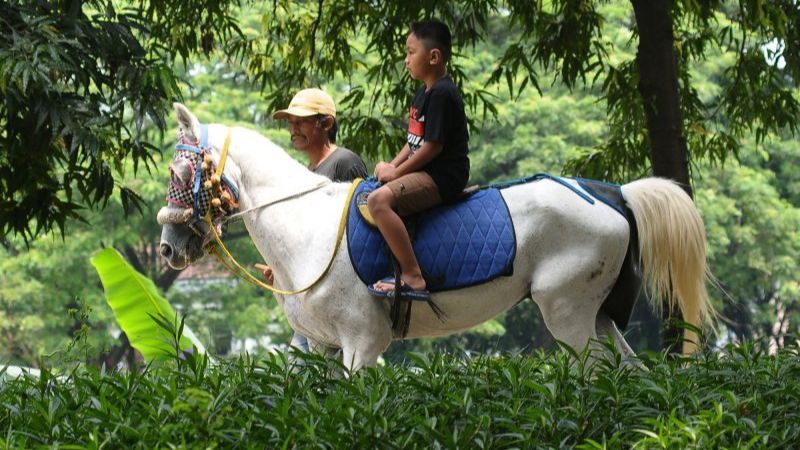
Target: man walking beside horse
{"x":311,"y":117}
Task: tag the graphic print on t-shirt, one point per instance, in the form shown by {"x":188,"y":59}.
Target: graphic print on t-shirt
{"x":416,"y":130}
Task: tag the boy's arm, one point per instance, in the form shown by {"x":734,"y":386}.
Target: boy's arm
{"x":421,"y":158}
{"x":382,"y":169}
{"x":402,"y":156}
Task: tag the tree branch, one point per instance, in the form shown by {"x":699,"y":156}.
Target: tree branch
{"x":314,"y":32}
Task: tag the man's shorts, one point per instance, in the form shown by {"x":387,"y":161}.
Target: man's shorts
{"x":414,"y":192}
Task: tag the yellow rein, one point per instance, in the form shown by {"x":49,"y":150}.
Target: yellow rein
{"x":230,"y":262}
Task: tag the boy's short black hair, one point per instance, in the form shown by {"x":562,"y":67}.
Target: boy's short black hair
{"x":434,"y":34}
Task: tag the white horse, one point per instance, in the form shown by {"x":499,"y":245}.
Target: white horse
{"x":568,"y":256}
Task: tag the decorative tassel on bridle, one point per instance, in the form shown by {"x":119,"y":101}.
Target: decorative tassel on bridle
{"x":196,"y":187}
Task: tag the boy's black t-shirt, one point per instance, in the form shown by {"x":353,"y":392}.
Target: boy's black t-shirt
{"x":438,"y":116}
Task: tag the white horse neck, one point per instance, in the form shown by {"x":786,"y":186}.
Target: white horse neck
{"x":259,"y":164}
{"x":295,"y":236}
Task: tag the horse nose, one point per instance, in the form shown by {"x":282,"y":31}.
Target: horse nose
{"x":166,"y":250}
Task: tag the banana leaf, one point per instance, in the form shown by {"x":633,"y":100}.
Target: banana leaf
{"x":145,"y":316}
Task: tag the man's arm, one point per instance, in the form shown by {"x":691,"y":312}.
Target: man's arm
{"x":358,"y":169}
{"x":349,"y":168}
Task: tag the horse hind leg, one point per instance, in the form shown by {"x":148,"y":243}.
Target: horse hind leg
{"x":568,"y":324}
{"x":607,"y":329}
{"x":570,"y":296}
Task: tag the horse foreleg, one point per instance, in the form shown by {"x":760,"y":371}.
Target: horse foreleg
{"x":300,"y":345}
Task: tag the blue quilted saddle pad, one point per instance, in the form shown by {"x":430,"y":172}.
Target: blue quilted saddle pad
{"x":457,"y":245}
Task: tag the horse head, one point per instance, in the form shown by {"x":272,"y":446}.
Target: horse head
{"x":198,"y":198}
{"x":257,"y":173}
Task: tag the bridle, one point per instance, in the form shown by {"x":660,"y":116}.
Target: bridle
{"x":214,"y":198}
{"x":206,"y":195}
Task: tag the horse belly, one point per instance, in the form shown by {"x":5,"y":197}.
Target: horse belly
{"x":466,"y":308}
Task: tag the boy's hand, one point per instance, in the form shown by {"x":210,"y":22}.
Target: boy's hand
{"x":267,"y":272}
{"x":385,"y":172}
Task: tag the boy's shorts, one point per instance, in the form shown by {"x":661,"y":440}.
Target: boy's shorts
{"x":414,"y":192}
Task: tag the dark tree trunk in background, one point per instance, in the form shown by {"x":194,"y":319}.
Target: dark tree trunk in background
{"x":118,"y":353}
{"x":658,"y":86}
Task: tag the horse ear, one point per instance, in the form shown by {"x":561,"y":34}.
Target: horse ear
{"x":187,"y":121}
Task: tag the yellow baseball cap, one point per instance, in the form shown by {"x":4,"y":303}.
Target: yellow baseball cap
{"x":308,"y":102}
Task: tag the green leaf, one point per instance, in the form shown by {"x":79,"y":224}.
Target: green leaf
{"x":135,"y":302}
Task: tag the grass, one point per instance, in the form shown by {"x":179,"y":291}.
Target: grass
{"x":737,"y":398}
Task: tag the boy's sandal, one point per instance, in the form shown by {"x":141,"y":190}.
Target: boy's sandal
{"x":406,"y":291}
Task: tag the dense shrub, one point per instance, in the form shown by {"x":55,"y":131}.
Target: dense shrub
{"x":738,"y":397}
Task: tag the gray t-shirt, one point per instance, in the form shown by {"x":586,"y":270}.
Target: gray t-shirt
{"x":342,"y":165}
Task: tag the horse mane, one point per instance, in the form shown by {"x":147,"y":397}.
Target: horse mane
{"x":259,"y":157}
{"x":256,"y":143}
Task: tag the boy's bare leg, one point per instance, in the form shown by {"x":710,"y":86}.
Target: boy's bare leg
{"x":381,"y":204}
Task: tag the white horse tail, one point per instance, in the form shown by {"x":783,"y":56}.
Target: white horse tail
{"x":672,"y":245}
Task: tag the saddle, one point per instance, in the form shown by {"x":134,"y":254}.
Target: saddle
{"x":457,"y":245}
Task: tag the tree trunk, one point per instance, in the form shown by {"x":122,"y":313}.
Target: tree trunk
{"x":658,"y":86}
{"x":123,"y":350}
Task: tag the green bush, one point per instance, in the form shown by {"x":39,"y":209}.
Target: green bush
{"x":738,"y":397}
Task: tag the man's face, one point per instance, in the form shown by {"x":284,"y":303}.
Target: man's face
{"x":306,"y":132}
